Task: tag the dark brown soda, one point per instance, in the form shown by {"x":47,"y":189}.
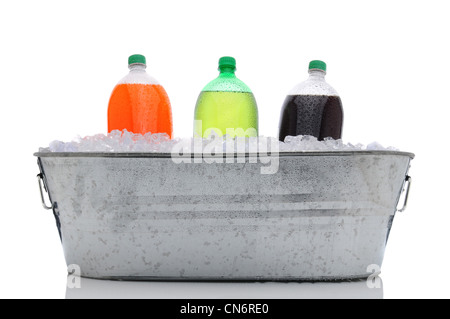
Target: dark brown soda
{"x":317,"y":115}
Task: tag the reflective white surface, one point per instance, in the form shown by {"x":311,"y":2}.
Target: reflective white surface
{"x":81,"y":288}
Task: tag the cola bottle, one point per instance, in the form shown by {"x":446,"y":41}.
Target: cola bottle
{"x":312,"y":107}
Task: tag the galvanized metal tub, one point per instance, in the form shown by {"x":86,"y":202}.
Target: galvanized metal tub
{"x":322,"y":216}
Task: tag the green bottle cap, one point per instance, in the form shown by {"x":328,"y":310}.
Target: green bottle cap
{"x":227,"y":62}
{"x":317,"y":64}
{"x":136,"y":59}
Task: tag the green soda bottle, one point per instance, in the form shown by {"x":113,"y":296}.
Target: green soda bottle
{"x":226,"y":105}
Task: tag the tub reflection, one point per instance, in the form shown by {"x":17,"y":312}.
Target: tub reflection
{"x":85,"y":288}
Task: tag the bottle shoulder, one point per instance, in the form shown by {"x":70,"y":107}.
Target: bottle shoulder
{"x":227,"y":84}
{"x":312,"y":87}
{"x":138,"y":77}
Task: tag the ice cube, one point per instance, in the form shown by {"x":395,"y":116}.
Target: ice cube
{"x":375,"y":146}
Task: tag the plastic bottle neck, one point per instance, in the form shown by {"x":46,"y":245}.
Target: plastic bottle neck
{"x":137,"y":67}
{"x":224,"y":71}
{"x":316,"y":75}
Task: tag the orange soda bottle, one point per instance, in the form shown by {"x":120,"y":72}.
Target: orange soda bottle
{"x":139,"y":103}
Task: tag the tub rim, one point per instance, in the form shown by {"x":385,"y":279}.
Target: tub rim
{"x":192,"y":155}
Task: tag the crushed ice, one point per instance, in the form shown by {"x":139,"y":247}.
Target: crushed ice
{"x":122,"y":142}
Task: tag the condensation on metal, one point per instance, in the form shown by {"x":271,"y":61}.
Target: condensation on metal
{"x":139,"y":216}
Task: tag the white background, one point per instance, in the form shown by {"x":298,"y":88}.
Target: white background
{"x":389,"y":60}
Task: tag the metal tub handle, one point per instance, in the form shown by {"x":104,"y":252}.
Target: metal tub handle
{"x":41,"y":182}
{"x":407,"y":187}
